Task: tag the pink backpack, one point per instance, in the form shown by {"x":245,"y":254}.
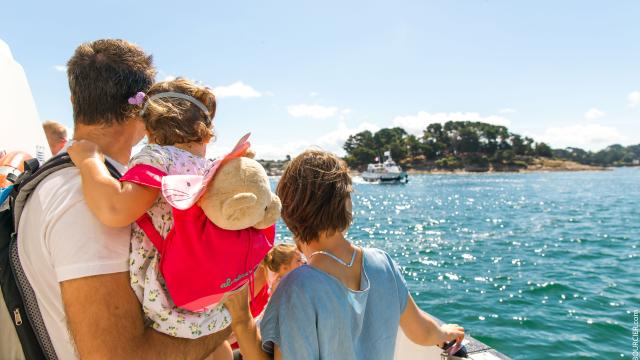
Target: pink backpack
{"x":200,"y":262}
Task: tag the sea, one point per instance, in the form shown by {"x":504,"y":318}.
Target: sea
{"x":540,"y":265}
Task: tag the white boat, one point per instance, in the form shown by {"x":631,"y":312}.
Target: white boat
{"x":385,"y":172}
{"x":21,"y":126}
{"x":407,"y":350}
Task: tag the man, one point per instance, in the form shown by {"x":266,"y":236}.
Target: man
{"x":56,"y":136}
{"x":78,"y":267}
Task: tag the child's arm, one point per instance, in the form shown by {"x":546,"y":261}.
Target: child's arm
{"x":423,"y":330}
{"x":114,"y":203}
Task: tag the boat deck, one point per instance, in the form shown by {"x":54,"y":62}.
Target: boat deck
{"x":406,"y":350}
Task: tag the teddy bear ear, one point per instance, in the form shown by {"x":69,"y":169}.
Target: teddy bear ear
{"x":232,"y":207}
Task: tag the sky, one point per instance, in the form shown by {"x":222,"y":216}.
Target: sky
{"x":310,"y":73}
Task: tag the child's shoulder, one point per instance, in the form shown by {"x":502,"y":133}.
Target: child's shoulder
{"x":152,"y":154}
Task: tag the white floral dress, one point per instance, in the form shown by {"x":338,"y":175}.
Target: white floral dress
{"x":144,"y":259}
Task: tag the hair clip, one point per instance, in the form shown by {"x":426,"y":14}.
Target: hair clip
{"x":137,"y":99}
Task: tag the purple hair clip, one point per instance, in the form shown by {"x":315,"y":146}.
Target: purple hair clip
{"x":137,"y":99}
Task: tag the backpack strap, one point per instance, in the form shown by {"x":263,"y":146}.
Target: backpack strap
{"x":147,"y":175}
{"x":23,"y":187}
{"x":34,"y":174}
{"x":145,"y":223}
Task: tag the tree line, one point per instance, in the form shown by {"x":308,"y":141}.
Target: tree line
{"x":457,"y":144}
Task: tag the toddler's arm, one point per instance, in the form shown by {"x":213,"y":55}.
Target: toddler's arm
{"x":114,"y":203}
{"x":423,"y":330}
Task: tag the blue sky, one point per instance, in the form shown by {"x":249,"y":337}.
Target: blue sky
{"x":301,"y":73}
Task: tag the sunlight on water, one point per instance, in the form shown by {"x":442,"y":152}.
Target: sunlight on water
{"x":539,"y":266}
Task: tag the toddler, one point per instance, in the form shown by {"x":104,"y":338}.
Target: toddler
{"x":177,"y":117}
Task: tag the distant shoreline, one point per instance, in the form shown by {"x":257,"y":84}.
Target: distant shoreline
{"x":540,"y":165}
{"x":275,"y":168}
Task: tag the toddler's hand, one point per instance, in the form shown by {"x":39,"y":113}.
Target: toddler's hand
{"x":249,"y":153}
{"x":451,"y":332}
{"x":81,"y":150}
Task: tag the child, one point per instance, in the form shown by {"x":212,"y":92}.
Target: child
{"x":348,"y":302}
{"x":280,"y":260}
{"x":177,"y":117}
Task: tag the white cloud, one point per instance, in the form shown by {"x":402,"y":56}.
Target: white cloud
{"x":593,"y":114}
{"x":415,"y":124}
{"x":313,"y":94}
{"x":61,"y":68}
{"x":312,"y":111}
{"x":334,"y":140}
{"x":237,"y":89}
{"x":589,"y":136}
{"x":507,"y":111}
{"x":279,"y":151}
{"x":634,"y":98}
{"x":331,"y":141}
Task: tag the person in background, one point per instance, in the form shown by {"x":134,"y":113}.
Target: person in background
{"x":56,"y":136}
{"x":348,"y":302}
{"x":281,"y":260}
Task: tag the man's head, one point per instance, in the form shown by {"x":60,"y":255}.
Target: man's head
{"x":103,"y":75}
{"x":56,"y":136}
{"x":315,"y":190}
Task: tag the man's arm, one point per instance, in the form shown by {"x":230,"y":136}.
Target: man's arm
{"x":106,"y":322}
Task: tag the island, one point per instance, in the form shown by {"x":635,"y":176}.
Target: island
{"x":470,"y":146}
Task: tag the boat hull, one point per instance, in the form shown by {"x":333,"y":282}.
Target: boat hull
{"x":385,"y":178}
{"x":407,"y":350}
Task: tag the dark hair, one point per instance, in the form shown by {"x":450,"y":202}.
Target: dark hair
{"x":171,"y":120}
{"x":314,"y":189}
{"x":103,"y":75}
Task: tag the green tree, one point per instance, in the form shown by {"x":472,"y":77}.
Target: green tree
{"x":543,"y":150}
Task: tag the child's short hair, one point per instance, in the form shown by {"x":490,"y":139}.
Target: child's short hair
{"x":279,"y":255}
{"x":172,"y":120}
{"x":314,"y":189}
{"x":103,"y":75}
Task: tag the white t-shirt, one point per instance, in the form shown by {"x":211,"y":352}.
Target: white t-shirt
{"x":60,"y":239}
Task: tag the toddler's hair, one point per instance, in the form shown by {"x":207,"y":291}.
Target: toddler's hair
{"x":279,"y":255}
{"x":172,"y":120}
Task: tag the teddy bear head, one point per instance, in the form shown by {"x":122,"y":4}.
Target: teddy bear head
{"x":239,"y":196}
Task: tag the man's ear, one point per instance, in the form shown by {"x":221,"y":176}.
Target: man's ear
{"x":232,"y":207}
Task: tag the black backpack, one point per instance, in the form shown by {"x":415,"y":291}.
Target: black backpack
{"x":16,"y":290}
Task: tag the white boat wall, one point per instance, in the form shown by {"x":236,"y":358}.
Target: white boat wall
{"x":407,"y":350}
{"x":21,"y":128}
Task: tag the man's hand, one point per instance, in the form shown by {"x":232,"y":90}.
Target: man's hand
{"x":238,"y":306}
{"x":244,"y":327}
{"x":105,"y":320}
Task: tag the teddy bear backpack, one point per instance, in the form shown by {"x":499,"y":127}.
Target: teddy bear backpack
{"x":200,"y":261}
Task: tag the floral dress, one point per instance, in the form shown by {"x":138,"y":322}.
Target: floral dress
{"x":144,"y":259}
